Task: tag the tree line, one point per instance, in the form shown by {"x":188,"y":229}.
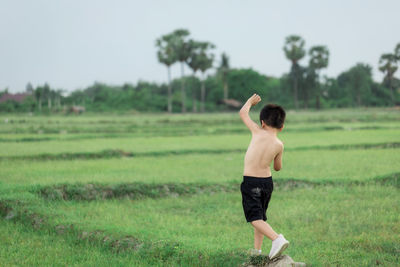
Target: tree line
{"x":302,"y":87}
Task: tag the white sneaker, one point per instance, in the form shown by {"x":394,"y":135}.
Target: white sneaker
{"x":278,"y":246}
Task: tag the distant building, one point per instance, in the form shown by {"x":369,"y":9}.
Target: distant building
{"x":18,"y":97}
{"x":232,"y":103}
{"x":74,"y":109}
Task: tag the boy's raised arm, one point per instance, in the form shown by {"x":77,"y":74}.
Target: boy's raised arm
{"x":244,"y":113}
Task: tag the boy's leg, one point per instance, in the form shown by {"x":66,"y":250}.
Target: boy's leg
{"x":258,"y":239}
{"x":265,"y":229}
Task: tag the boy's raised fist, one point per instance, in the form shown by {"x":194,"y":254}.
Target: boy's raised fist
{"x":254,"y":99}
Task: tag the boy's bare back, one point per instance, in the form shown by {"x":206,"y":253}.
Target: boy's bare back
{"x":264,"y":147}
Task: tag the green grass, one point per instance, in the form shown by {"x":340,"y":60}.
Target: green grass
{"x":23,"y":246}
{"x":316,"y":165}
{"x":342,"y":115}
{"x":189,"y":124}
{"x":335,"y":215}
{"x":319,"y":222}
{"x":292,"y":140}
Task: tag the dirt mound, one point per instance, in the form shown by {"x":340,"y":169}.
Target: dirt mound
{"x":281,"y":261}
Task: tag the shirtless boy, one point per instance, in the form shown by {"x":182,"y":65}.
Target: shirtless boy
{"x":257,"y":185}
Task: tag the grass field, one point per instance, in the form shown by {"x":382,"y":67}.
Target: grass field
{"x":163,"y":190}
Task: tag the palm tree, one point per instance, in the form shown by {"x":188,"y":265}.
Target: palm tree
{"x":52,"y":96}
{"x":388,"y":65}
{"x":46,"y":94}
{"x":194,"y":63}
{"x":224,"y":69}
{"x":29,"y":88}
{"x":59,"y":93}
{"x":294,"y":51}
{"x":206,"y":61}
{"x":309,"y":84}
{"x":397,"y":51}
{"x":180,"y":44}
{"x":38,"y":96}
{"x":319,"y":59}
{"x":166,"y":55}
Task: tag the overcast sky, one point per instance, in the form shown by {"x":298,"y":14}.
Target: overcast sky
{"x":72,"y":43}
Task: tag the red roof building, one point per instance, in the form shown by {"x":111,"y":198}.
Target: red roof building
{"x":19,"y":97}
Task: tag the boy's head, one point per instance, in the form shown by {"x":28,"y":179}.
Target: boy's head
{"x":273,"y":116}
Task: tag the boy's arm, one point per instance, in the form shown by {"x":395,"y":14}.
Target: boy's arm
{"x":278,"y":160}
{"x":244,"y":113}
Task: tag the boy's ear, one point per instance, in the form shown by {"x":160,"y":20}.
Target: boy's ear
{"x":280,"y":129}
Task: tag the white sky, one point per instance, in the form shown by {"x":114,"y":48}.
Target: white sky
{"x":72,"y":43}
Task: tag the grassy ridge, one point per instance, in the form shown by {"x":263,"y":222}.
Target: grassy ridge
{"x":129,"y":191}
{"x":118,"y":153}
{"x":65,"y":133}
{"x":116,"y":245}
{"x":24,"y":246}
{"x":90,"y":192}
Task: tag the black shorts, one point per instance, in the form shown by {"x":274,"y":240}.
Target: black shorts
{"x":256,"y":193}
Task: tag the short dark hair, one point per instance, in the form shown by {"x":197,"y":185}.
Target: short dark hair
{"x":273,"y":116}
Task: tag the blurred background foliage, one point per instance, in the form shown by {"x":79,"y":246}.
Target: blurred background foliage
{"x":213,"y":81}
